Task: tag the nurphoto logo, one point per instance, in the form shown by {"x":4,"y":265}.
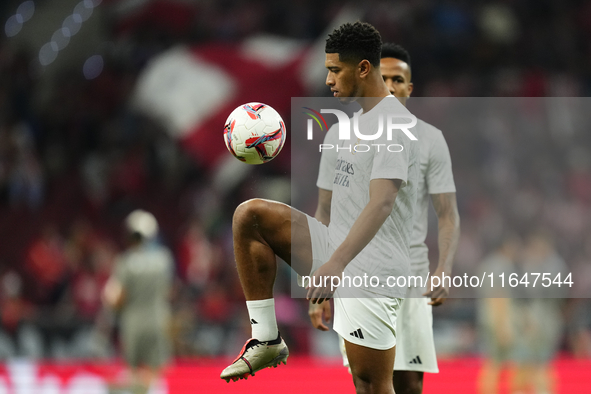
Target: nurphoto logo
{"x":344,"y":122}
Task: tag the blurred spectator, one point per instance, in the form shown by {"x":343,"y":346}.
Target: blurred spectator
{"x":14,"y":309}
{"x":542,"y":319}
{"x":184,"y":324}
{"x":20,"y":170}
{"x":497,"y":317}
{"x":214,"y":305}
{"x":578,"y":312}
{"x":94,"y":173}
{"x":90,"y":258}
{"x":46,"y":265}
{"x":195,"y":256}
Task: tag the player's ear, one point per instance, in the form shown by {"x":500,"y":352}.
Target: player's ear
{"x":364,"y":67}
{"x":410,"y":88}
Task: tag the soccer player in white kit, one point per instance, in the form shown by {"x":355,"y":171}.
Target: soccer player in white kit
{"x":370,"y":210}
{"x":415,"y":350}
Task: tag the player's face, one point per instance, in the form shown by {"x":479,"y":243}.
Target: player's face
{"x":341,"y":78}
{"x":396,"y":74}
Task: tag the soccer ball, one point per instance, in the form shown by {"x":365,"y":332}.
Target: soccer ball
{"x":254,"y":133}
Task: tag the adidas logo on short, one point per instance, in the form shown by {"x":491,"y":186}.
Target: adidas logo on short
{"x":357,"y":334}
{"x":416,"y":360}
{"x":253,"y":321}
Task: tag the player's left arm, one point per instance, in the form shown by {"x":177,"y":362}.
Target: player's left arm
{"x":326,"y":171}
{"x":448,"y":219}
{"x":323,"y":208}
{"x":319,"y":313}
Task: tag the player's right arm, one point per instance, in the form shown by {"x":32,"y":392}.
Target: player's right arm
{"x":382,"y":195}
{"x":388,"y":174}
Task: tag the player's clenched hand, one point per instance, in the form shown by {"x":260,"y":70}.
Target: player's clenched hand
{"x":324,"y":282}
{"x":439,"y":293}
{"x":319,"y":313}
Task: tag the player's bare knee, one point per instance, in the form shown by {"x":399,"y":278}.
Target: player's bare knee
{"x":248,"y":214}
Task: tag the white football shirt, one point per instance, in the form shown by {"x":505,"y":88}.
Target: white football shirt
{"x":388,"y":253}
{"x":436,"y":177}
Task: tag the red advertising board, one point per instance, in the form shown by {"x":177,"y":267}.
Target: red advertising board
{"x":299,"y":376}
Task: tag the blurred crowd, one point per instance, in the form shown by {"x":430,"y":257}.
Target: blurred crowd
{"x":73,"y":165}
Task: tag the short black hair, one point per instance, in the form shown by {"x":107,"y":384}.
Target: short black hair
{"x":396,"y":51}
{"x":355,"y":42}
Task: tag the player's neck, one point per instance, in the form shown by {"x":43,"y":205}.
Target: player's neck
{"x":374,"y":92}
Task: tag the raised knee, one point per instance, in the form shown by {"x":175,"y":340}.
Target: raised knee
{"x":249,"y":212}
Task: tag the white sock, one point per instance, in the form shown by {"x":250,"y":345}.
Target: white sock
{"x":262,"y":319}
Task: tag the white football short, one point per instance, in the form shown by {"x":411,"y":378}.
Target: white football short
{"x":366,"y":320}
{"x":415,"y":348}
